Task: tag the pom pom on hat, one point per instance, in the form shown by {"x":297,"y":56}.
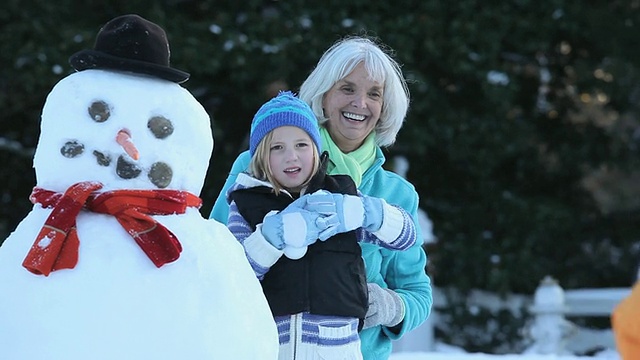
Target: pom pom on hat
{"x":283,"y":110}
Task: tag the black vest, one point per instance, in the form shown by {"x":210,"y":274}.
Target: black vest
{"x":330,"y":279}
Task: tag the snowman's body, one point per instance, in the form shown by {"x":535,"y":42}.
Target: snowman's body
{"x":115,"y":303}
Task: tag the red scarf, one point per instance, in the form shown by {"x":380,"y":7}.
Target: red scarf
{"x":56,"y":246}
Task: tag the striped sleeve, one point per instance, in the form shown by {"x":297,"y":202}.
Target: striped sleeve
{"x":398,"y":231}
{"x":260,"y":253}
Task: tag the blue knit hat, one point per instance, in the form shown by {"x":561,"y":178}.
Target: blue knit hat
{"x":283,"y":110}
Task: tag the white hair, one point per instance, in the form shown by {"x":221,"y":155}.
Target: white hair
{"x":339,"y":61}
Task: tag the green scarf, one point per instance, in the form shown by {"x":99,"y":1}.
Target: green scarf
{"x":354,"y":163}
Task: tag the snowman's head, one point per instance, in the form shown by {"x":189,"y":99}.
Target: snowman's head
{"x":126,"y":131}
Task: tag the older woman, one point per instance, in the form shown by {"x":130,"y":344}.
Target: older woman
{"x":360,"y":98}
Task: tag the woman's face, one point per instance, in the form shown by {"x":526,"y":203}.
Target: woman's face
{"x":291,"y":157}
{"x":353,"y":106}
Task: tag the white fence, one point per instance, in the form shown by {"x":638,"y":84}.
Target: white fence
{"x":551,"y":332}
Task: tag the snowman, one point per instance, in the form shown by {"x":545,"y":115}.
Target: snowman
{"x":115,"y":260}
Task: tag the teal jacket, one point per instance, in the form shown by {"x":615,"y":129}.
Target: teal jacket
{"x":402,"y":271}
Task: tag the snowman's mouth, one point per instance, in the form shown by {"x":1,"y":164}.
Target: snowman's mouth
{"x":160,"y":173}
{"x":101,"y":158}
{"x":126,"y":169}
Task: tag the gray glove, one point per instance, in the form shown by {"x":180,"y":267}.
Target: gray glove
{"x":385,"y":307}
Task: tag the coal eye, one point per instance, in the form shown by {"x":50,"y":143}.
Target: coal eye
{"x":72,"y":149}
{"x":160,"y":126}
{"x":99,"y":111}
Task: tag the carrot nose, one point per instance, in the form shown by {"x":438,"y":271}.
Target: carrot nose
{"x":124,"y":139}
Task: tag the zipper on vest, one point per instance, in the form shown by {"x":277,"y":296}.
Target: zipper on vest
{"x":297,"y":334}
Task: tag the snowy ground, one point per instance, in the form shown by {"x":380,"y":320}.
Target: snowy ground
{"x":444,"y":352}
{"x":454,"y":356}
{"x":417,"y":344}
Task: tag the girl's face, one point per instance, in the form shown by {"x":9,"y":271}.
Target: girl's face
{"x":291,"y":157}
{"x":353,"y":106}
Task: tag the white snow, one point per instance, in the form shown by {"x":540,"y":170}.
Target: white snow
{"x":115,"y":303}
{"x":478,"y":356}
{"x":46,"y":241}
{"x":446,"y":352}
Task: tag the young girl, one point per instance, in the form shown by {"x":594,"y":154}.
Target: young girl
{"x":285,"y":203}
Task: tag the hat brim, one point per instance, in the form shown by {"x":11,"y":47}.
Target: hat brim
{"x":92,"y":59}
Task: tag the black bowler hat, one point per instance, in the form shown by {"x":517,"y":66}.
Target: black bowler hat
{"x":130,"y":43}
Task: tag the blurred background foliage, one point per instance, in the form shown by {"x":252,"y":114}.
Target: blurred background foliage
{"x":523,"y":134}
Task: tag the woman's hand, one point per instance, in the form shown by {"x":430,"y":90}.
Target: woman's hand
{"x":385,"y":307}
